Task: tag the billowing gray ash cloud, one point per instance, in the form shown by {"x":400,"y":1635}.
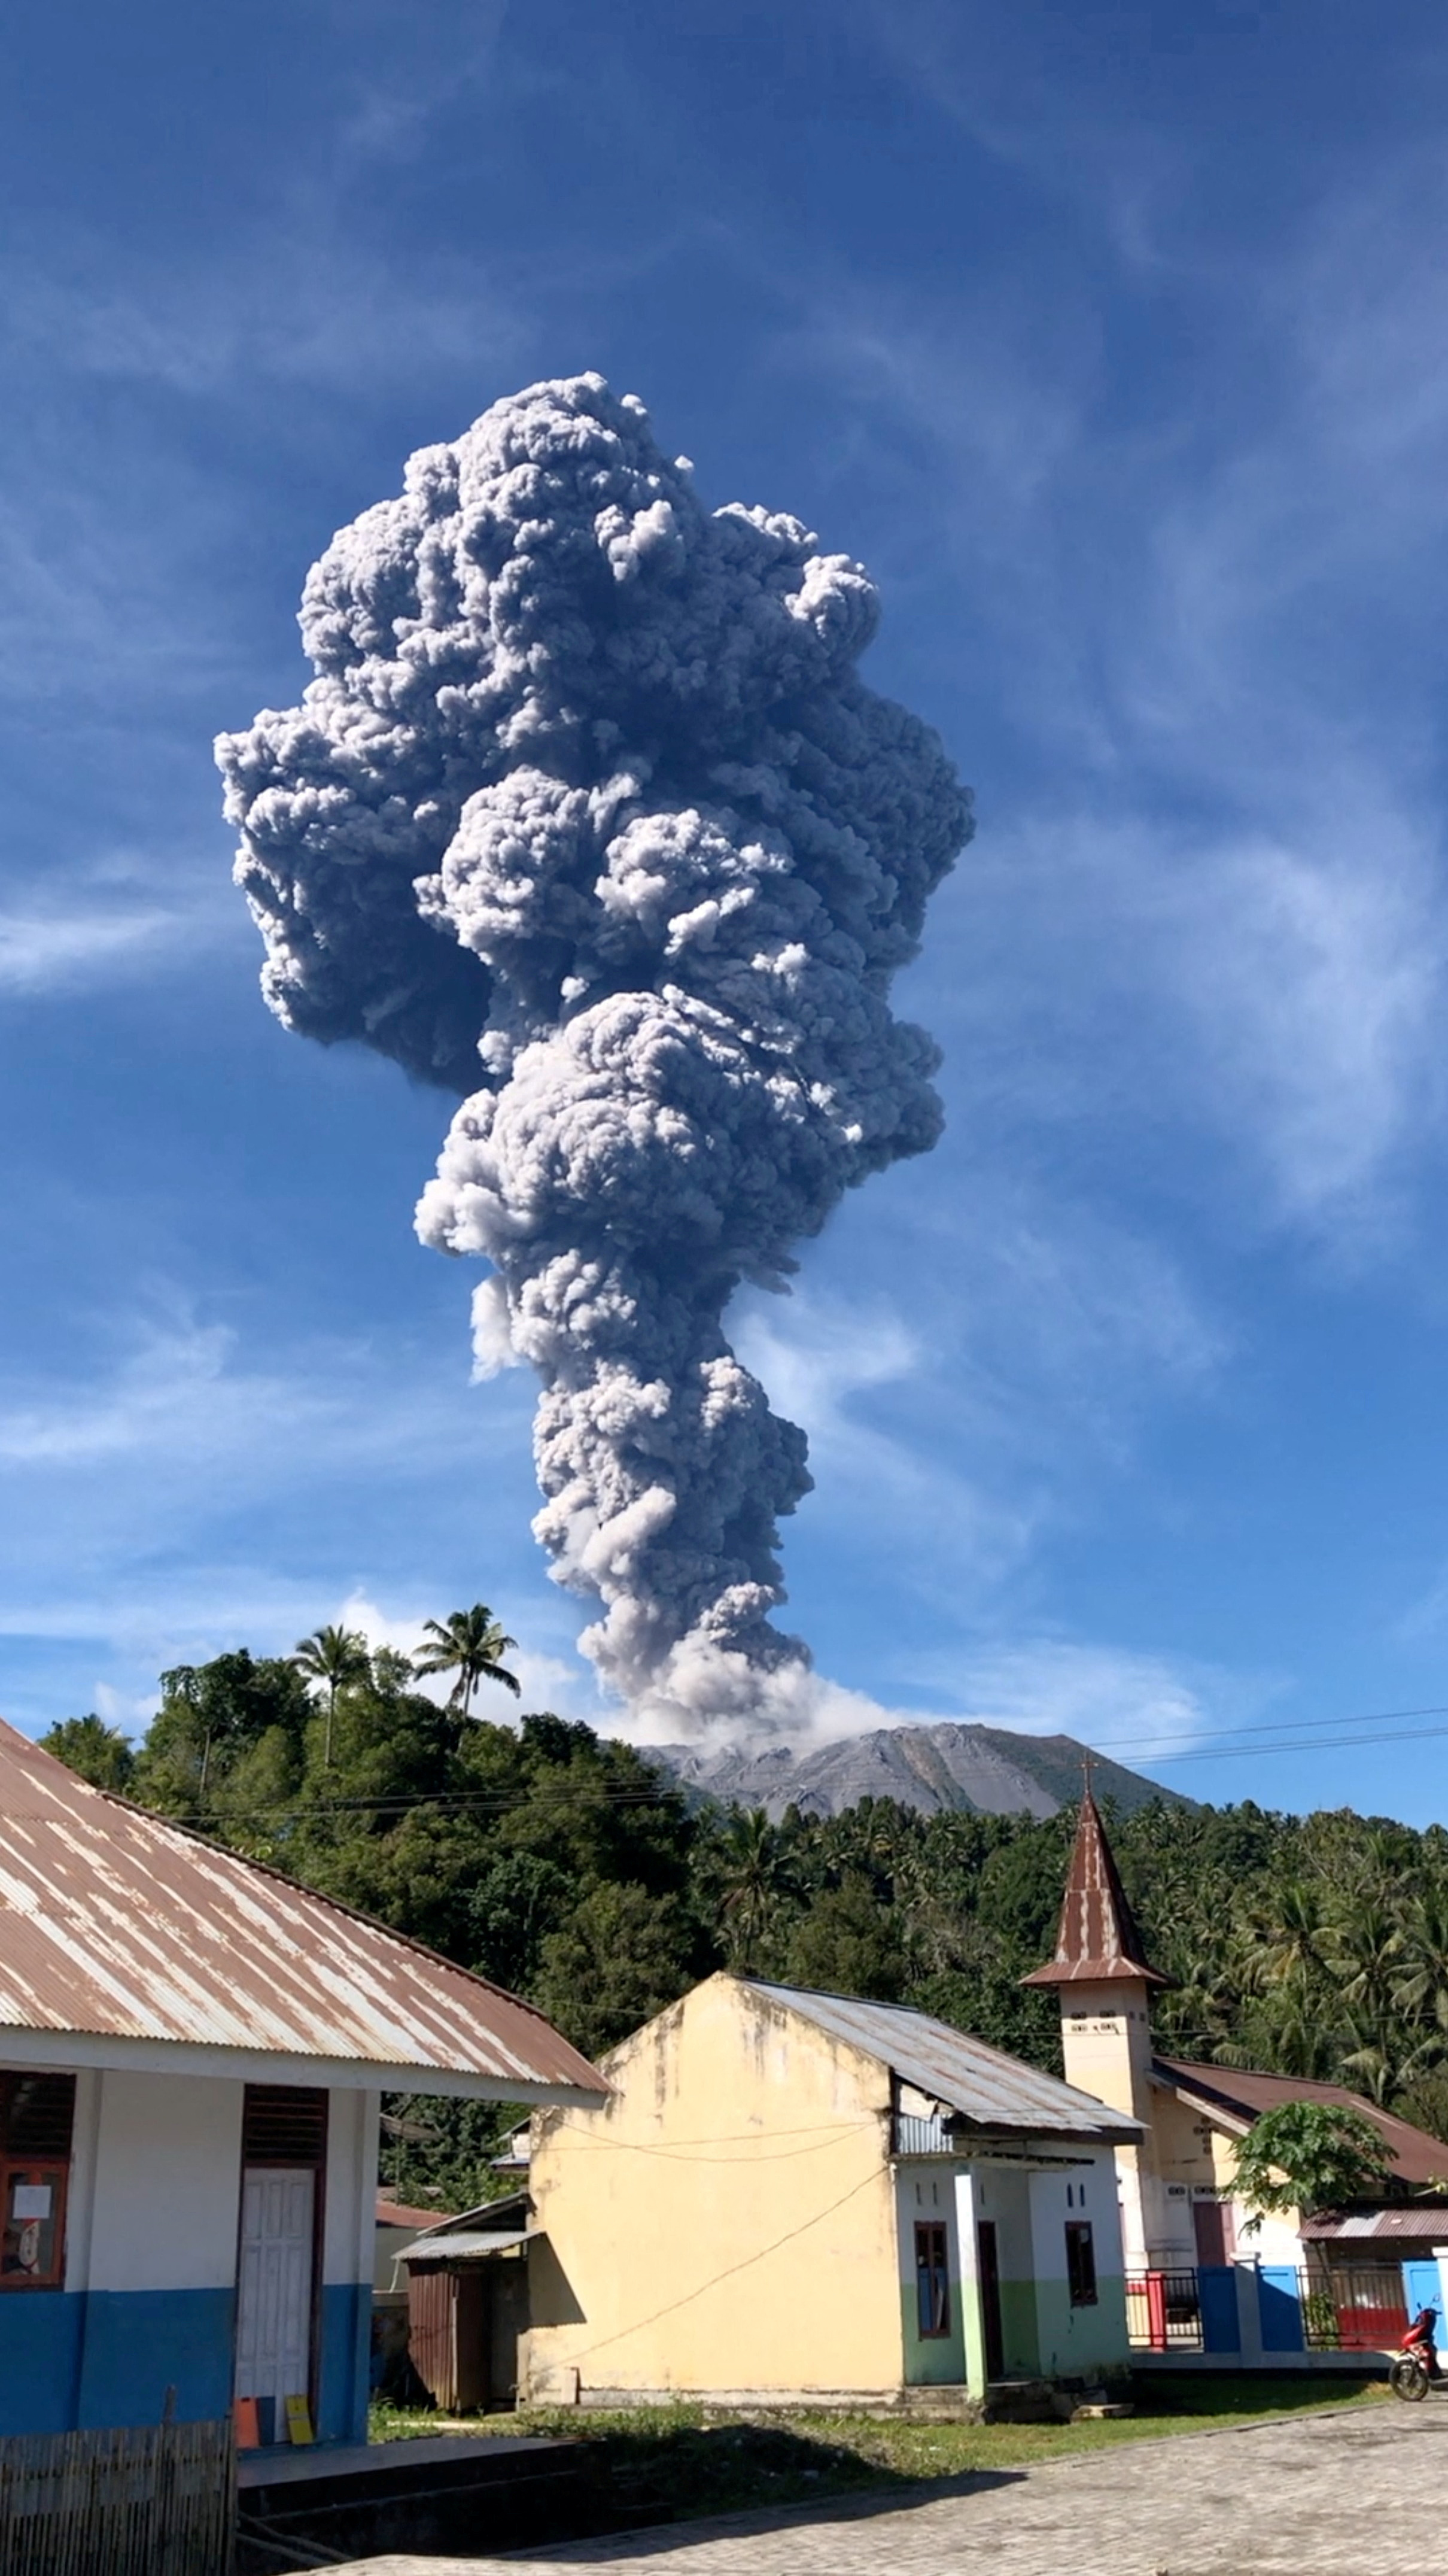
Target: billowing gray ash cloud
{"x":587,"y":816}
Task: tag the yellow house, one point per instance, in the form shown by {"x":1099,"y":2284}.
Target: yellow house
{"x":807,"y":2198}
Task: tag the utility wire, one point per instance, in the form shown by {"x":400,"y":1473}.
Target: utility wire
{"x":1212,"y":1744}
{"x":571,"y":2360}
{"x":679,"y":2156}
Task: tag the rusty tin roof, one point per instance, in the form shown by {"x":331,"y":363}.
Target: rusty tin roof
{"x":1421,"y":2223}
{"x":996,"y":2095}
{"x":1243,"y":2094}
{"x":118,"y":1926}
{"x":1097,"y":1939}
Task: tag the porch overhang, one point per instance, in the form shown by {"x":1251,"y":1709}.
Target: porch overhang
{"x":73,"y":2051}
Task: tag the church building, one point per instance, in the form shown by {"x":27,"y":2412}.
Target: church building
{"x":1178,"y":2210}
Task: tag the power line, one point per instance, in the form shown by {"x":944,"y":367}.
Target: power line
{"x":1211,"y":1744}
{"x":839,"y":2137}
{"x":571,"y":2360}
{"x":1143,"y":1744}
{"x":1319,"y":1744}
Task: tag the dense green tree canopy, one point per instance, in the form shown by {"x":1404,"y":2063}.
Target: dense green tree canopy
{"x":567,"y":1868}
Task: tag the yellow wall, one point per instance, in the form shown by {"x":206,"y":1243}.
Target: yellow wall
{"x":1106,"y":2050}
{"x":1106,"y":2043}
{"x":726,"y":2221}
{"x":1189,"y":2148}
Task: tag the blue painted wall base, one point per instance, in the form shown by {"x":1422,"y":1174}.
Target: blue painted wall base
{"x":104,"y":2357}
{"x":345,"y":2361}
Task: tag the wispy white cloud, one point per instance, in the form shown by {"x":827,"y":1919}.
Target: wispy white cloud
{"x":183,"y":1389}
{"x":217,"y":1490}
{"x":77,"y":929}
{"x":304,"y":310}
{"x":1140,"y":1706}
{"x":1272,"y":995}
{"x":817,"y":1360}
{"x":1035,"y":93}
{"x":1227,"y":910}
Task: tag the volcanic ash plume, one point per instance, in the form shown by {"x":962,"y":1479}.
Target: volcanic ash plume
{"x":586,"y":815}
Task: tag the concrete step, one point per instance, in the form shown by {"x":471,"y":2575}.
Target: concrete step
{"x":1022,"y":2401}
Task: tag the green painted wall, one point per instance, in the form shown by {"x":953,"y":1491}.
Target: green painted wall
{"x":1019,"y":2329}
{"x":1075,"y":2339}
{"x":931,"y":2360}
{"x":975,"y":2377}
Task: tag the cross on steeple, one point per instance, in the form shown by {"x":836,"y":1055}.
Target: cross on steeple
{"x":1097,"y":1941}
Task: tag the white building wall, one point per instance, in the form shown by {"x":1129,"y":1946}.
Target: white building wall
{"x":350,"y":2220}
{"x":1274,"y":2242}
{"x":166,"y":2187}
{"x":80,"y":2197}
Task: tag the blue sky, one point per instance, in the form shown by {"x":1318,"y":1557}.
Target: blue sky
{"x":1112,"y":339}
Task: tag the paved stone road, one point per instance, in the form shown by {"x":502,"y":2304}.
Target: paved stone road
{"x":1357,"y":2494}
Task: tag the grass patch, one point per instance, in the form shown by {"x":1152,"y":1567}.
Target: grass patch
{"x":673,"y":2463}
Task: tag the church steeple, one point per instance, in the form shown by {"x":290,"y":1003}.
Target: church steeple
{"x":1104,"y":1981}
{"x":1097,"y":1941}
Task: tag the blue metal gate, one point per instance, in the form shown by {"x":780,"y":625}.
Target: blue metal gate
{"x":1422,"y":2287}
{"x":1217,"y":2295}
{"x":1280,"y":2307}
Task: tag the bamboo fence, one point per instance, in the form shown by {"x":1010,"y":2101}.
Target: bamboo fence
{"x":149,"y":2500}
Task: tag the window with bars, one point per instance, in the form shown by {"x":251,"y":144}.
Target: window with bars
{"x":1080,"y":2263}
{"x":37,"y":2115}
{"x":932,"y":2278}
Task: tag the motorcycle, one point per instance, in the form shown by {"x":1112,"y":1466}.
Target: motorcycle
{"x":1414,"y":2366}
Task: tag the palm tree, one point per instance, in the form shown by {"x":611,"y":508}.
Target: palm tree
{"x":1367,"y":1949}
{"x":471,"y":1644}
{"x":1286,"y":1936}
{"x":334,"y":1656}
{"x":750,"y":1879}
{"x":1421,"y":1987}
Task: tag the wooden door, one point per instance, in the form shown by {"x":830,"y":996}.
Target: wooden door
{"x":1209,"y":2224}
{"x":432,"y":2331}
{"x":990,"y":2298}
{"x":470,"y":2335}
{"x":274,"y":2284}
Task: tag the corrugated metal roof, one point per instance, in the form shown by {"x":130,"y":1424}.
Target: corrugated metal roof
{"x":1243,"y":2093}
{"x":462,"y":2246}
{"x":117,"y":1924}
{"x":994,"y":2093}
{"x":1097,"y":1938}
{"x":1417,"y":2224}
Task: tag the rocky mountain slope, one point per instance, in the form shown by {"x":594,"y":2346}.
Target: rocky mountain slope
{"x":988,"y":1768}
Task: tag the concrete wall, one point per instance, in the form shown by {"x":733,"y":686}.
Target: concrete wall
{"x":727,"y":2221}
{"x":924,"y":2192}
{"x":1004,"y":2198}
{"x":1194,"y":2155}
{"x":1041,"y":2332}
{"x":151,"y":2245}
{"x":348,"y":2244}
{"x":1074,"y":2343}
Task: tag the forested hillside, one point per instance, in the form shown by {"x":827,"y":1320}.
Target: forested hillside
{"x":570,"y":1870}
